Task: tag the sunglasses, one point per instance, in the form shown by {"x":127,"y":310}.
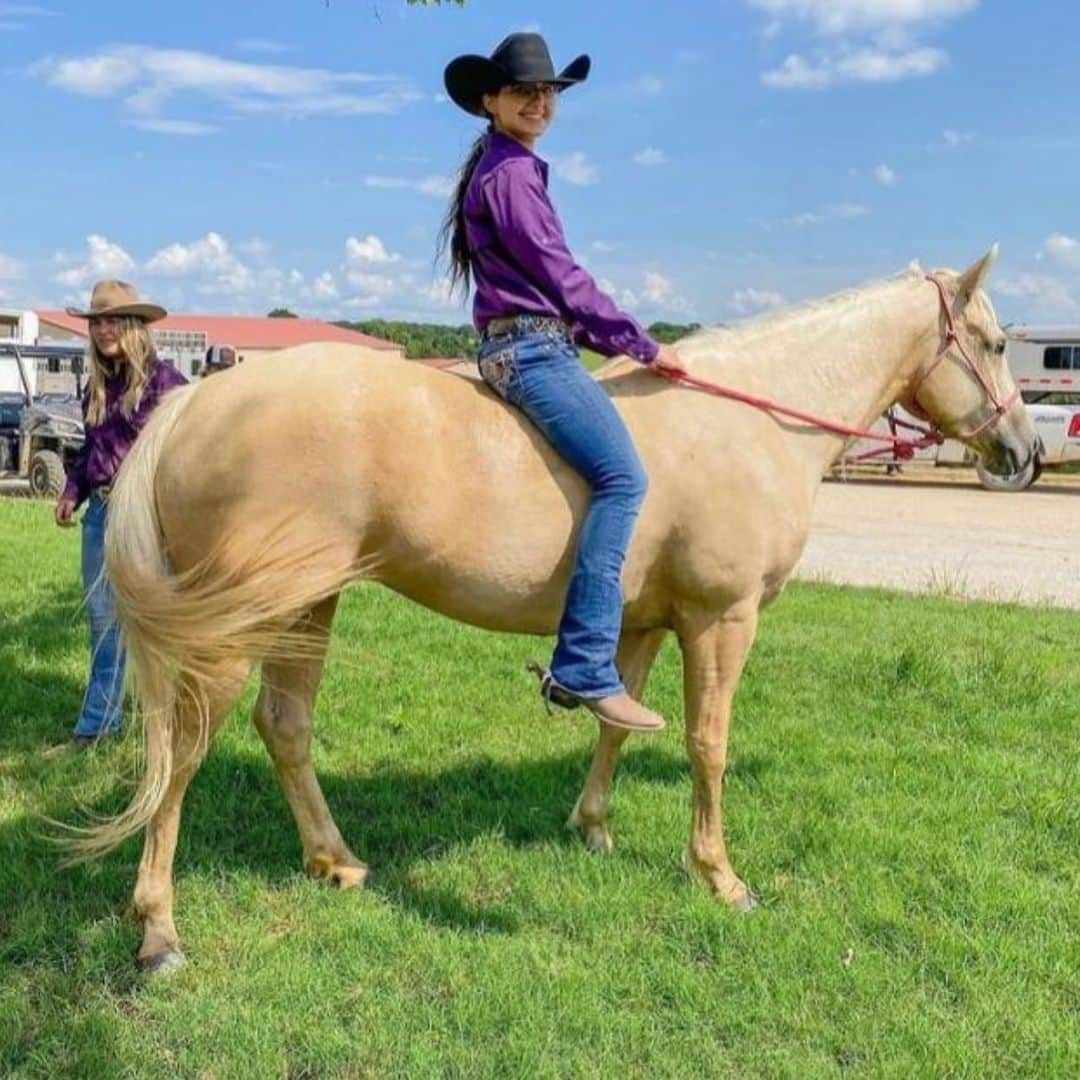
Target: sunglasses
{"x":527,"y":91}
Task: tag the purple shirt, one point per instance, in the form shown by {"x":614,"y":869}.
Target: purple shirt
{"x":520,"y":262}
{"x":108,"y":443}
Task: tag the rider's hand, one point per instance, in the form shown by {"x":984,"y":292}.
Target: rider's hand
{"x":65,"y":512}
{"x":667,"y":359}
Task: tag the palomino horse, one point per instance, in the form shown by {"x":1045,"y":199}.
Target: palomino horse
{"x":252,"y":499}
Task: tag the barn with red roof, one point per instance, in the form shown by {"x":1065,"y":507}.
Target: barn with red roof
{"x":184,"y":339}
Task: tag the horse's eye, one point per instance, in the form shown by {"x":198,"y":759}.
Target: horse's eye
{"x":999,"y":348}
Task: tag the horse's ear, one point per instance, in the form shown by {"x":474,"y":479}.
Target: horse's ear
{"x":974,"y":277}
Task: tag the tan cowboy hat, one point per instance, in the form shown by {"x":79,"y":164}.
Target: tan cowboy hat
{"x":118,"y":298}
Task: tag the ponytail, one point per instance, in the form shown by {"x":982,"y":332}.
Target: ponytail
{"x":453,"y":241}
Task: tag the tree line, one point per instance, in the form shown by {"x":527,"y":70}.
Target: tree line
{"x":434,"y":340}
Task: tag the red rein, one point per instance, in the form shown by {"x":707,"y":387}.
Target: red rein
{"x":903,"y":448}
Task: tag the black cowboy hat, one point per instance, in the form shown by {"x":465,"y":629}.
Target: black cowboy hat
{"x":519,"y":58}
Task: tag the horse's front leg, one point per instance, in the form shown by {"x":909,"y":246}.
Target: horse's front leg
{"x":637,"y":651}
{"x":714,"y":650}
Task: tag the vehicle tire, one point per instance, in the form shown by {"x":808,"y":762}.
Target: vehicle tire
{"x":46,"y":475}
{"x":1020,"y":482}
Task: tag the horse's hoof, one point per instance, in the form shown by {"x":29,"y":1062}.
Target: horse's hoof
{"x":596,"y":838}
{"x":161,"y":963}
{"x":723,"y":884}
{"x":745,"y":903}
{"x":350,"y":877}
{"x":342,"y":875}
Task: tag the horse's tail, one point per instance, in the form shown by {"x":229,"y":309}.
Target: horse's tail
{"x":186,"y":634}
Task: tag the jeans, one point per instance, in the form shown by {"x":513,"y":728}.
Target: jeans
{"x":103,"y":701}
{"x":541,"y":374}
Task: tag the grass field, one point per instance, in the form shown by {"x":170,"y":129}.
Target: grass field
{"x":902,"y":796}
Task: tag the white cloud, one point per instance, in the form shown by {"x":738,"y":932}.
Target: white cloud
{"x":367,"y":250}
{"x":884,"y":175}
{"x":749,"y":300}
{"x":1046,"y":291}
{"x":151,"y":79}
{"x":438,"y":292}
{"x":955,"y":138}
{"x":602,"y":247}
{"x":838,"y":212}
{"x":658,"y":289}
{"x":857,"y":65}
{"x":10,"y":268}
{"x":256,"y":246}
{"x":104,"y":259}
{"x":832,"y":17}
{"x":370,"y":290}
{"x":13,"y":16}
{"x":437,"y":186}
{"x":324,"y":287}
{"x":1062,"y":249}
{"x":867,"y":40}
{"x":575,"y":168}
{"x":261,"y":45}
{"x":650,"y":156}
{"x":209,"y":259}
{"x":650,"y":86}
{"x":160,"y":126}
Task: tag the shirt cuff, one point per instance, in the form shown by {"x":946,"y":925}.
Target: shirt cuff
{"x":72,"y":491}
{"x":646,"y":351}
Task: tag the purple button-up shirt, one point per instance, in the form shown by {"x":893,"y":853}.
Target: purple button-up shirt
{"x":520,"y":261}
{"x":107,"y":443}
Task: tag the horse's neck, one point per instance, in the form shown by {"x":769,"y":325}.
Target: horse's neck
{"x":846,"y":360}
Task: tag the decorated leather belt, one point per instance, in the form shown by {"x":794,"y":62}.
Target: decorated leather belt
{"x":526,"y":324}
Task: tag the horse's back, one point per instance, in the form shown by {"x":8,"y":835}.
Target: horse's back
{"x":472,"y":510}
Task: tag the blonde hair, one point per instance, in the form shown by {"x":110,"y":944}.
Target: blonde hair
{"x":138,"y":349}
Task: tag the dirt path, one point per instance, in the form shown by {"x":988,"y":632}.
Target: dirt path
{"x":945,"y":533}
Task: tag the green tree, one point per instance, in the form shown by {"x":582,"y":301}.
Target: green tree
{"x":420,"y":339}
{"x":667,"y":333}
{"x":281,"y":313}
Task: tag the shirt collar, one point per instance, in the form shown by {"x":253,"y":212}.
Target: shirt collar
{"x":502,"y":147}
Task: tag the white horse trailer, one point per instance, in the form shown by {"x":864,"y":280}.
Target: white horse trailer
{"x":1045,"y":362}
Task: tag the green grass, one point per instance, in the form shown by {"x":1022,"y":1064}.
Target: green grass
{"x":902,"y":796}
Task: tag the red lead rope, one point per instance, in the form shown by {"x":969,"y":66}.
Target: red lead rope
{"x":903,"y":448}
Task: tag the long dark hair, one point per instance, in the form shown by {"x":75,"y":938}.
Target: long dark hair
{"x":453,"y":243}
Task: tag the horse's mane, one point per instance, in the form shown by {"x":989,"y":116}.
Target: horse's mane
{"x":762,"y":324}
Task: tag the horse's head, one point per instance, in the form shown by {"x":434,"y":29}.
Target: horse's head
{"x":965,"y":386}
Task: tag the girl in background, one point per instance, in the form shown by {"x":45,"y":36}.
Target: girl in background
{"x":125,"y":383}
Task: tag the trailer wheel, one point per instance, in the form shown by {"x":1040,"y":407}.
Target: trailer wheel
{"x":1020,"y":482}
{"x":46,"y":475}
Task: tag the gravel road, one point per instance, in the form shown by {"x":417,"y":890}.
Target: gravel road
{"x":924,"y":532}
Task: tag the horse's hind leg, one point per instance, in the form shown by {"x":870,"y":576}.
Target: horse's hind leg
{"x":637,"y":651}
{"x":283,"y":716}
{"x":153,"y":898}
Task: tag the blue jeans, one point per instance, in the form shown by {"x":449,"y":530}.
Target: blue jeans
{"x":102,"y":704}
{"x":541,"y":374}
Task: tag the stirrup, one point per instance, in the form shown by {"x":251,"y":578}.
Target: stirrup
{"x":551,"y":691}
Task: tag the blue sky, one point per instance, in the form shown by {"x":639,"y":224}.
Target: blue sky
{"x":725,"y":156}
